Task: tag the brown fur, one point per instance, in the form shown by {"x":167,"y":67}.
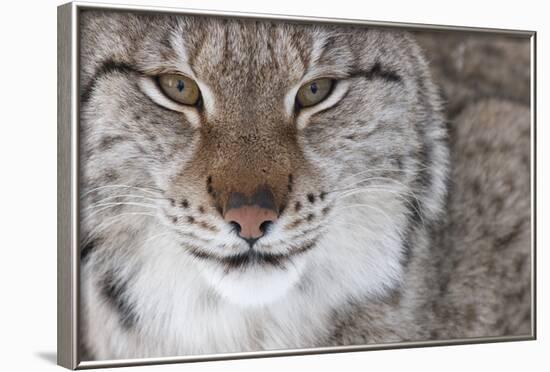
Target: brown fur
{"x":392,"y":226}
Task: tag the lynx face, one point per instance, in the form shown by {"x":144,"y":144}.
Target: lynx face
{"x":254,"y":153}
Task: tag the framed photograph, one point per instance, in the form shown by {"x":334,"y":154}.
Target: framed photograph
{"x":236,"y":185}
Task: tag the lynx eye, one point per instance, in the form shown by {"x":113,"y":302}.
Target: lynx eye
{"x":180,"y":88}
{"x":314,"y":92}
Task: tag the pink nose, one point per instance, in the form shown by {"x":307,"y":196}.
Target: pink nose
{"x":251,"y":221}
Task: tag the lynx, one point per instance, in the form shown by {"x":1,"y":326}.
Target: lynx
{"x":256,"y":185}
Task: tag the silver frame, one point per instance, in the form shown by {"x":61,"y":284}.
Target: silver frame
{"x":68,"y":260}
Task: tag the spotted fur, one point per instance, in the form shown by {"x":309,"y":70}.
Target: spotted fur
{"x":360,"y":252}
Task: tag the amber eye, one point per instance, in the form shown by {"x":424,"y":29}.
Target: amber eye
{"x":180,"y":88}
{"x":314,"y":92}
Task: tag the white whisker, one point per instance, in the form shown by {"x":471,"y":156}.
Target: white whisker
{"x":94,"y":206}
{"x":374,"y":179}
{"x":106,"y":206}
{"x":113,"y":219}
{"x":130,"y":196}
{"x":422,"y":168}
{"x":368,"y":206}
{"x":149,"y":190}
{"x":156,"y":236}
{"x":399,"y":194}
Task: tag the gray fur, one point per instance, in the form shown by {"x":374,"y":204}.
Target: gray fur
{"x":453,"y":210}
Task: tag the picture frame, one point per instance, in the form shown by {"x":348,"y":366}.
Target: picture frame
{"x":69,"y":103}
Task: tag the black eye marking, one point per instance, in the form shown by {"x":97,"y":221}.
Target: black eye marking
{"x":107,"y":67}
{"x":311,"y":198}
{"x":377,"y":72}
{"x":184,"y":204}
{"x":322,"y":195}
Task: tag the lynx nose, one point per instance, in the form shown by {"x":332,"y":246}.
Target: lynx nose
{"x":251,"y":216}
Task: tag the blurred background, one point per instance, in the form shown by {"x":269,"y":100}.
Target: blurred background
{"x":484,"y":80}
{"x":470,"y":67}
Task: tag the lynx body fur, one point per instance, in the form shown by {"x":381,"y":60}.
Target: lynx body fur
{"x":383,"y":235}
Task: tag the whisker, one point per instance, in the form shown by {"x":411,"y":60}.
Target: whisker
{"x":106,"y":206}
{"x":94,"y":206}
{"x":156,"y":236}
{"x":341,"y":221}
{"x":317,"y":229}
{"x":128,"y":214}
{"x":368,"y":206}
{"x":370,"y":188}
{"x":112,"y":220}
{"x":375,"y":179}
{"x":400,"y":194}
{"x":395,"y":185}
{"x":371,"y":179}
{"x":131,"y":196}
{"x":150,"y":190}
{"x":372,"y":170}
{"x":375,"y":189}
{"x":422,"y":168}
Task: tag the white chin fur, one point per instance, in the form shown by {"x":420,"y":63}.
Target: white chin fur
{"x":256,"y":285}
